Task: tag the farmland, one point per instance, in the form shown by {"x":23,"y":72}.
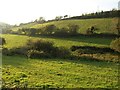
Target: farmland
{"x":58,"y":73}
{"x":105,"y":25}
{"x":18,"y":71}
{"x":97,"y":71}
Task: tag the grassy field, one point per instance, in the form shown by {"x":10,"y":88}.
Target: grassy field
{"x":20,"y":40}
{"x":54,"y":73}
{"x":105,"y":25}
{"x":18,"y":71}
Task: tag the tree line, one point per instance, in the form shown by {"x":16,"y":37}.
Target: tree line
{"x":103,"y":14}
{"x":49,"y":30}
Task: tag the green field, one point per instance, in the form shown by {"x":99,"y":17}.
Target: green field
{"x":105,"y":25}
{"x":20,"y":40}
{"x":58,"y":73}
{"x":19,"y":71}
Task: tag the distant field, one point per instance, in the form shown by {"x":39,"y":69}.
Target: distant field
{"x":58,"y":73}
{"x":20,"y":40}
{"x":105,"y":25}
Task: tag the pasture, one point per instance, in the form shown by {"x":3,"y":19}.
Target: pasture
{"x":19,"y":71}
{"x":105,"y":25}
{"x":58,"y":73}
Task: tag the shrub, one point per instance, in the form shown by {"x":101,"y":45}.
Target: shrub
{"x":37,"y":54}
{"x":39,"y":49}
{"x":2,"y":41}
{"x":61,"y":52}
{"x":91,"y":49}
{"x":73,"y":29}
{"x":48,"y":30}
{"x":14,"y":51}
{"x":40,"y":45}
{"x":61,"y":32}
{"x":5,"y":51}
{"x":115,"y":44}
{"x":92,"y":30}
{"x":45,"y":49}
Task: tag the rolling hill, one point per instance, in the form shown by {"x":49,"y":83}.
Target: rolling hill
{"x":90,"y":70}
{"x":105,"y":25}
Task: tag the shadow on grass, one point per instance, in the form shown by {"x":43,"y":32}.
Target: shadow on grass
{"x":14,"y":60}
{"x":83,"y":38}
{"x":21,"y":61}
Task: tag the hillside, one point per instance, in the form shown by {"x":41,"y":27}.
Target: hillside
{"x":20,"y":71}
{"x":83,"y":68}
{"x":105,"y":25}
{"x":4,"y":26}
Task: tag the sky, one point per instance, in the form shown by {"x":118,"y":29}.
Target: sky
{"x":23,"y":11}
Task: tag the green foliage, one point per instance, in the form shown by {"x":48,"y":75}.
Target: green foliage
{"x":14,"y":51}
{"x":2,"y":41}
{"x":40,"y":45}
{"x":105,"y":25}
{"x":37,"y":54}
{"x":102,"y":14}
{"x":41,"y":48}
{"x":115,"y":44}
{"x":61,"y":52}
{"x":95,"y":53}
{"x":49,"y":29}
{"x":58,"y":18}
{"x":73,"y":29}
{"x":91,"y":30}
{"x":28,"y":31}
{"x":56,"y":31}
{"x":41,"y":20}
{"x":118,"y":26}
{"x":61,"y":32}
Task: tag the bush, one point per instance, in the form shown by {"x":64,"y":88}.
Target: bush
{"x":41,"y":48}
{"x":91,"y":30}
{"x":5,"y":51}
{"x":70,"y":31}
{"x":2,"y":41}
{"x":49,"y":29}
{"x":61,"y":52}
{"x":61,"y":32}
{"x":37,"y":54}
{"x":73,"y":29}
{"x":40,"y":45}
{"x":115,"y":44}
{"x":91,"y":49}
{"x":14,"y":51}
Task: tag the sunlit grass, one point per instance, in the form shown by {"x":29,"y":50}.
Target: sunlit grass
{"x":59,"y":73}
{"x":18,"y":71}
{"x":20,"y":40}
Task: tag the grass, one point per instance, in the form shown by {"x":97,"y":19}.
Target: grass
{"x":40,"y":73}
{"x":20,"y":40}
{"x":105,"y":25}
{"x":18,"y":71}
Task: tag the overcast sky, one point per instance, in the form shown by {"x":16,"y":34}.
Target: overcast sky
{"x":21,"y":11}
